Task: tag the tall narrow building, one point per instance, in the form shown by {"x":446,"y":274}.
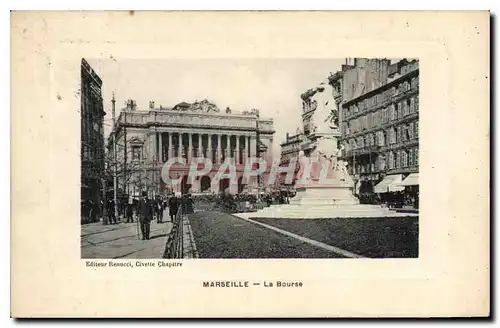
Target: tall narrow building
{"x":92,"y":143}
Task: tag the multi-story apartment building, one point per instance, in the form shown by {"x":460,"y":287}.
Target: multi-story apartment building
{"x":380,"y":128}
{"x":92,"y":142}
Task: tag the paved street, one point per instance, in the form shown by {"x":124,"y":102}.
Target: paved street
{"x":220,"y":235}
{"x":121,"y":241}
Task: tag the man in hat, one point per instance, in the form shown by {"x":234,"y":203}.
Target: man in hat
{"x":173,"y":206}
{"x":145,"y":215}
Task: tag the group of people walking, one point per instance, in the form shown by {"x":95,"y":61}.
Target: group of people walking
{"x":145,"y":210}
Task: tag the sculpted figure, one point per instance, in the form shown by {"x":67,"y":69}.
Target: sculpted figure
{"x":342,"y":169}
{"x":325,"y":115}
{"x":335,"y":155}
{"x":303,"y":163}
{"x":319,"y":161}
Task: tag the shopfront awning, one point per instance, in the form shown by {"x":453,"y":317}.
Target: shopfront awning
{"x":389,"y":184}
{"x":410,"y":180}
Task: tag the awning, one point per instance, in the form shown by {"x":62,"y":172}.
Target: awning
{"x":410,"y":180}
{"x":389,"y":184}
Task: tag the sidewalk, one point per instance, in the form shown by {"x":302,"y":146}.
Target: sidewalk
{"x":121,"y":240}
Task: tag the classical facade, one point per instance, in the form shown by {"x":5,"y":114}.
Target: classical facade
{"x":149,"y":138}
{"x":380,"y":124}
{"x":92,"y":142}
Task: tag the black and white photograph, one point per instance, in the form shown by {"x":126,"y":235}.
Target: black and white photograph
{"x":249,"y":158}
{"x":250,"y":164}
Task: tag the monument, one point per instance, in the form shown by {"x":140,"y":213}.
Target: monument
{"x":322,"y":178}
{"x":323,"y":185}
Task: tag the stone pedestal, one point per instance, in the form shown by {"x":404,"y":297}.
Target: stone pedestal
{"x":328,"y":198}
{"x":324,"y":195}
{"x":322,"y":201}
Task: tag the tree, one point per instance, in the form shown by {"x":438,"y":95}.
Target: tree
{"x":131,"y":174}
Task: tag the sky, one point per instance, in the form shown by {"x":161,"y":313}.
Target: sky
{"x":273,"y":86}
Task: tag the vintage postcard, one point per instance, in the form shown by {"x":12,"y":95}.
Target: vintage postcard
{"x":250,"y":164}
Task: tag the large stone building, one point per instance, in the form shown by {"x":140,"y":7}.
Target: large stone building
{"x":92,"y":142}
{"x":380,"y":123}
{"x":200,"y":129}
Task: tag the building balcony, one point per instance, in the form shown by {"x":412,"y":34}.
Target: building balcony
{"x":383,"y":126}
{"x":401,"y":144}
{"x":368,"y":150}
{"x":402,"y":170}
{"x":394,"y":99}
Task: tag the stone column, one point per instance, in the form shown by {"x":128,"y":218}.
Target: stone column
{"x":253,"y":146}
{"x":152,"y":147}
{"x":160,"y":147}
{"x":227,"y":153}
{"x":190,"y":147}
{"x":245,"y":151}
{"x":219,"y":150}
{"x":170,"y":146}
{"x":200,"y":146}
{"x":209,"y":147}
{"x":237,"y":152}
{"x":180,"y":144}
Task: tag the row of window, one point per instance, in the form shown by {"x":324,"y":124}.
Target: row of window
{"x":91,"y":153}
{"x":403,"y":158}
{"x":382,"y":116}
{"x":409,"y":68}
{"x":381,"y":97}
{"x":392,"y":135}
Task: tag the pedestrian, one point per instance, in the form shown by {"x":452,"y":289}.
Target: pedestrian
{"x":173,"y":207}
{"x":189,"y":204}
{"x":90,"y":206}
{"x":130,"y":210}
{"x":269,"y":200}
{"x":111,"y":211}
{"x":159,"y":209}
{"x":145,"y":215}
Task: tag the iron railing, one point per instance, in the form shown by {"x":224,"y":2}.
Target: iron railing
{"x":174,"y":249}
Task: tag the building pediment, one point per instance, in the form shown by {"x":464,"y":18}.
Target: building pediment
{"x":135,"y":140}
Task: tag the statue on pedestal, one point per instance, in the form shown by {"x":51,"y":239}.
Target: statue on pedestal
{"x":325,"y":117}
{"x":322,"y":153}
